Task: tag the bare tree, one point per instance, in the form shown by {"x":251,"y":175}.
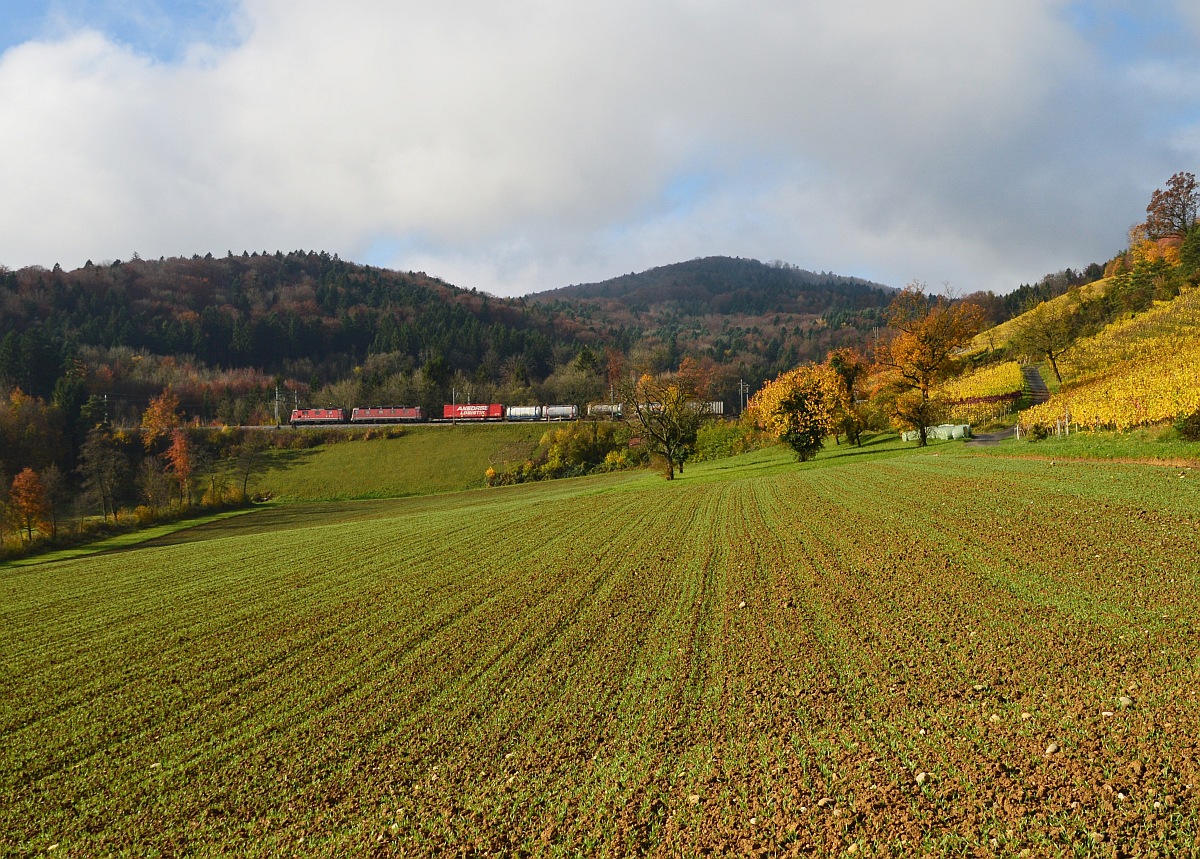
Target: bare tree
{"x":58,"y":495}
{"x":103,"y":467}
{"x":251,"y":458}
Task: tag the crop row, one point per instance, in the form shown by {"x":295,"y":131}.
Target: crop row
{"x":797,"y":662}
{"x":998,"y":380}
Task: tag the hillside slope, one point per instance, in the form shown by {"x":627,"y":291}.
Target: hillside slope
{"x":299,"y":314}
{"x":234,"y":328}
{"x":1000,"y":337}
{"x":1137,"y":371}
{"x":422,"y":461}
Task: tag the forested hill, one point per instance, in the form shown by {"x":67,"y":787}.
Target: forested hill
{"x":727,"y":286}
{"x":227,"y":332}
{"x":305,"y":315}
{"x":760,"y":318}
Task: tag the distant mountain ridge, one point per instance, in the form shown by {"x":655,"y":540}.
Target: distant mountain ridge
{"x":720,"y":285}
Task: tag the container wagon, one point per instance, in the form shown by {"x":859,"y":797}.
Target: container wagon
{"x":473,"y":412}
{"x":385,"y":414}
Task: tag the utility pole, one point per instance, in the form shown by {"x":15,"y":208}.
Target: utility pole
{"x":743,"y":390}
{"x":276,"y":405}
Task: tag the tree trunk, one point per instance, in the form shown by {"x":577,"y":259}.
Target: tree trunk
{"x":922,"y":435}
{"x":1054,"y":367}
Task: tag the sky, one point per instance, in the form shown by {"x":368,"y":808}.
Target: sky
{"x":522,"y":146}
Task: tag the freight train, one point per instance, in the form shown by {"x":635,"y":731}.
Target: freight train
{"x":464,"y":412}
{"x":450,"y":412}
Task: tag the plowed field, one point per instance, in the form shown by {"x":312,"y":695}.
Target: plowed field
{"x":932,"y":654}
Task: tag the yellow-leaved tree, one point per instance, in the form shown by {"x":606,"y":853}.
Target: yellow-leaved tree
{"x":667,"y":415}
{"x":800,"y":407}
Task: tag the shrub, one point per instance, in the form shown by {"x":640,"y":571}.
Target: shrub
{"x":721,"y":439}
{"x":1188,"y":426}
{"x":145,"y":515}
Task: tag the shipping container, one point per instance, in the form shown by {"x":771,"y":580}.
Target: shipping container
{"x":385,"y":414}
{"x":473,"y":411}
{"x":524,"y":413}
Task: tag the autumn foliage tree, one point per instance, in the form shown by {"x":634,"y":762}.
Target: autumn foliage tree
{"x":1173,"y":210}
{"x":28,"y":503}
{"x":31,"y":432}
{"x":800,"y":407}
{"x":927,"y":334}
{"x":666,"y":415}
{"x":161,"y":418}
{"x":180,"y":460}
{"x":851,"y":370}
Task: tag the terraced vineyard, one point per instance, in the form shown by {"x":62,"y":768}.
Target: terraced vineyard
{"x":933,"y":653}
{"x":985,"y":395}
{"x":1139,"y":371}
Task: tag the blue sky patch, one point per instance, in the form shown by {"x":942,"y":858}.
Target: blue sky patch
{"x":161,"y":29}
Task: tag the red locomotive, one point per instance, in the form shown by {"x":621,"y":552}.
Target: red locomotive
{"x":309,"y":417}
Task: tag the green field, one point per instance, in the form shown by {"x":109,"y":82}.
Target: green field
{"x":905,"y":653}
{"x":1152,"y":445}
{"x":424,"y":460}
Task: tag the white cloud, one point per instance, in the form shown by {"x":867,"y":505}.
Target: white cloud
{"x":531,"y":144}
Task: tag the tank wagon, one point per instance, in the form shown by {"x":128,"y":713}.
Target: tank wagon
{"x":542,"y":413}
{"x":605,"y":411}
